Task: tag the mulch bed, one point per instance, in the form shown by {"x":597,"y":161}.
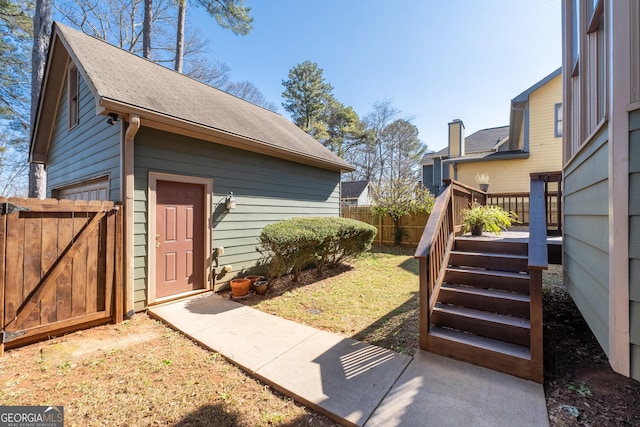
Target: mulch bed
{"x":580,"y":386}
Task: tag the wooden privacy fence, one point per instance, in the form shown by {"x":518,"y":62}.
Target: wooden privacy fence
{"x":61,"y":267}
{"x":412,"y":226}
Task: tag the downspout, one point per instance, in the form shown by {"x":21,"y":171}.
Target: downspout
{"x":128,"y":183}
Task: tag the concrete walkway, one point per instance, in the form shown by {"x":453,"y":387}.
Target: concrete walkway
{"x":353,"y":382}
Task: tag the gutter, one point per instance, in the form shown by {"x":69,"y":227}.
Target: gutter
{"x":489,"y":158}
{"x":128,"y":183}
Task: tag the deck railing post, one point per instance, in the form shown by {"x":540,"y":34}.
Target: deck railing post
{"x":538,"y":261}
{"x":535,"y":321}
{"x":423,"y":307}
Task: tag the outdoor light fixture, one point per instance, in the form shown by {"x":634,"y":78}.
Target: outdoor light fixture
{"x":230,"y":201}
{"x":113,"y":119}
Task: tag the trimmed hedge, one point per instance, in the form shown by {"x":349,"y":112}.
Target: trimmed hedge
{"x":297,"y":243}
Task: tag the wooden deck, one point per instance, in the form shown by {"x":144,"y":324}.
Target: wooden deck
{"x":554,"y":243}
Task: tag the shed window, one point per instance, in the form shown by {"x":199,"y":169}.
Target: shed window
{"x":72,"y":89}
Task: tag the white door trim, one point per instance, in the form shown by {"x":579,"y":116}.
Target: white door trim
{"x":207,"y":183}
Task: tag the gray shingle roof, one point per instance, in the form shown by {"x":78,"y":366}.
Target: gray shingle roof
{"x":134,"y":82}
{"x":477,"y":143}
{"x":352,"y":189}
{"x":485,"y":139}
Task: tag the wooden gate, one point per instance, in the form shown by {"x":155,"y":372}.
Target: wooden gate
{"x":61,"y":267}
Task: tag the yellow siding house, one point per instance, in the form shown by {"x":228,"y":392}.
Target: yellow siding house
{"x":531,"y":143}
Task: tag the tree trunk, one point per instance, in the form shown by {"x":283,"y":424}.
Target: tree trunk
{"x":146,"y":29}
{"x":182,"y":11}
{"x":41,"y":32}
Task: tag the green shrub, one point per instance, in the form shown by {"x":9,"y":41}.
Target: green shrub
{"x":297,"y":243}
{"x":288,"y":246}
{"x":354,"y":238}
{"x":492,"y":218}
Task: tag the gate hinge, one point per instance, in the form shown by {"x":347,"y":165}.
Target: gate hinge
{"x":7,"y":208}
{"x":7,"y":336}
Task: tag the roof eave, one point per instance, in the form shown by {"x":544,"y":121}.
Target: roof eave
{"x":172,"y":124}
{"x":491,"y":157}
{"x":52,"y":81}
{"x":515,"y":122}
{"x":520,"y":103}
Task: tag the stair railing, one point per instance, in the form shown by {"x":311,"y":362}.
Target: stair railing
{"x":538,"y":261}
{"x":436,"y":244}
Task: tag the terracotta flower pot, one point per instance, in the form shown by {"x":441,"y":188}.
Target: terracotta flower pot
{"x":261,"y":287}
{"x":240,"y":287}
{"x":253,"y":280}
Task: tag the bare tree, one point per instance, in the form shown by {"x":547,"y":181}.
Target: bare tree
{"x":41,"y":31}
{"x":147,"y":26}
{"x":119,"y":22}
{"x":369,"y":156}
{"x":182,"y":14}
{"x":229,"y":14}
{"x":249,"y":92}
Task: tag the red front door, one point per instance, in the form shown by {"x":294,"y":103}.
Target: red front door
{"x":179,"y":238}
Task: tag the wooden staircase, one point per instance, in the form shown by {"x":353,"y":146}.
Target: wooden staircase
{"x":481,"y":299}
{"x":482,"y":313}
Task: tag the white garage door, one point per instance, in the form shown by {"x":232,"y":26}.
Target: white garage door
{"x":90,"y":190}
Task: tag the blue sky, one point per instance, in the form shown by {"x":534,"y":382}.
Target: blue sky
{"x":435,"y":60}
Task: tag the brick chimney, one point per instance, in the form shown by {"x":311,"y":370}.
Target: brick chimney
{"x":456,"y":138}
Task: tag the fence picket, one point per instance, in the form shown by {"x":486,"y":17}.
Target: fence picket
{"x":79,"y":273}
{"x":412,"y":225}
{"x":3,"y":235}
{"x":49,"y":257}
{"x":54,"y":279}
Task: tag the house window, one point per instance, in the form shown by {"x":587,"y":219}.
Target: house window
{"x":586,"y":105}
{"x":558,"y":120}
{"x":575,"y":38}
{"x":635,"y":51}
{"x":72,"y":92}
{"x":597,"y":83}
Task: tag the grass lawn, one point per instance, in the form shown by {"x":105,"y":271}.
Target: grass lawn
{"x":373,"y":299}
{"x":142,"y":373}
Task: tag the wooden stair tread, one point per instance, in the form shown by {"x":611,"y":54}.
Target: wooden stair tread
{"x":485,"y":316}
{"x":489,"y":293}
{"x":483,"y":272}
{"x":484,"y":343}
{"x":491,"y":254}
{"x":473,"y":244}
